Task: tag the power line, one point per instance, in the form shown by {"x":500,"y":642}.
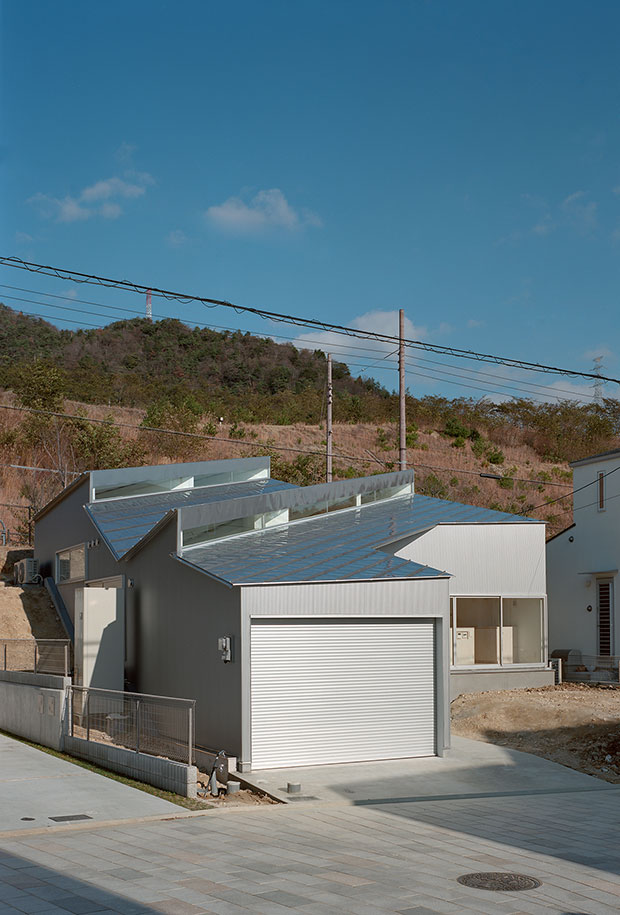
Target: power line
{"x":491,"y":476}
{"x":573,"y":491}
{"x":89,"y":278}
{"x":253,"y":444}
{"x":195,"y":435}
{"x":521,"y":386}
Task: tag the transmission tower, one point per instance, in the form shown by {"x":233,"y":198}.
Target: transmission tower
{"x":598,"y":385}
{"x":149,"y":310}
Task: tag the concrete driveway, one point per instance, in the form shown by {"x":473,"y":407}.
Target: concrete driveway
{"x":388,"y":848}
{"x":471,"y":769}
{"x":35,"y":788}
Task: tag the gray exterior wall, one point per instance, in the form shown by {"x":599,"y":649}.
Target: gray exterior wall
{"x":175,"y":616}
{"x":67,"y":525}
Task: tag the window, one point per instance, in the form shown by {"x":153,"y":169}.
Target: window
{"x":71,"y":564}
{"x":601,"y":492}
{"x":604,"y":601}
{"x":496,"y":631}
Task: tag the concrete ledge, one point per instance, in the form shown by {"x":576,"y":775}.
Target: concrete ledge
{"x":29,"y":678}
{"x":480,"y":681}
{"x":33,"y":706}
{"x":154,"y":770}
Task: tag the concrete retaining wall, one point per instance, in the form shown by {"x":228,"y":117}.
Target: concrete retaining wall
{"x":162,"y":773}
{"x":484,"y":680}
{"x":33,"y":706}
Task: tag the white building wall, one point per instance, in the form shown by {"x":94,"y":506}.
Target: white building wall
{"x":573,"y":565}
{"x":484,"y":559}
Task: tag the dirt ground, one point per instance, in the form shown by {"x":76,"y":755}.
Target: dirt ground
{"x":575,"y":724}
{"x":243,"y":798}
{"x":25,"y":613}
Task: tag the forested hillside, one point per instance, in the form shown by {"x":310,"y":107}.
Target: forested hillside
{"x":136,"y":377}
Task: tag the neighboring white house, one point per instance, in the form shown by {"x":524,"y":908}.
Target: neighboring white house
{"x":583,"y":562}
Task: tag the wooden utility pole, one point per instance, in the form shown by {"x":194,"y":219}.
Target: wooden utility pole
{"x":402,"y":425}
{"x":330,"y":393}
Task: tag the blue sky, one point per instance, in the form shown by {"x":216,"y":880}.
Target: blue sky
{"x":337,"y":160}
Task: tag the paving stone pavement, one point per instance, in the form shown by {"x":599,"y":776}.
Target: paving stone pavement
{"x":399,"y":858}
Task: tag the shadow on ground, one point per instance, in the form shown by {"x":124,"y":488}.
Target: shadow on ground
{"x":27,"y":886}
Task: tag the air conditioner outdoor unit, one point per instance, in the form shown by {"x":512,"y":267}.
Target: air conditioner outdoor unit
{"x":26,"y":572}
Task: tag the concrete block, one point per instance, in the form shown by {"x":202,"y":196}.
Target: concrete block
{"x":154,"y":770}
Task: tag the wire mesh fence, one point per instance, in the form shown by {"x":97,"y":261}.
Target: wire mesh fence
{"x":41,"y":656}
{"x":157,"y":725}
{"x":590,"y":668}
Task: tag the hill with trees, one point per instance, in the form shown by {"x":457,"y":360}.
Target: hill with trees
{"x":138,"y":377}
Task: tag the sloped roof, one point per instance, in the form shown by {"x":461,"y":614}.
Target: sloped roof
{"x":338,"y":547}
{"x":122,"y":523}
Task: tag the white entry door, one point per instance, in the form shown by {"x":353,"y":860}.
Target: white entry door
{"x":100,"y":637}
{"x":341,"y":690}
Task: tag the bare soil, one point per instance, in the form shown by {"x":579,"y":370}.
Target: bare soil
{"x":575,"y":724}
{"x":25,"y":613}
{"x":243,"y":798}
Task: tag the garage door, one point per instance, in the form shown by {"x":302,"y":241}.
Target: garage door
{"x":341,"y":690}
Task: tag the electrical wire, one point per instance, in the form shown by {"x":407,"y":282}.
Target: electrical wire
{"x":89,"y":278}
{"x":520,"y":386}
{"x":194,"y":435}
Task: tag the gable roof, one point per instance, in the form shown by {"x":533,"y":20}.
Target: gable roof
{"x":340,"y":547}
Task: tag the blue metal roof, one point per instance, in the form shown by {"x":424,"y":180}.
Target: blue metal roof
{"x":124,"y":522}
{"x":338,"y":547}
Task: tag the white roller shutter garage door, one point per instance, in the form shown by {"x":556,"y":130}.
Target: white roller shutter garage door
{"x":341,"y":690}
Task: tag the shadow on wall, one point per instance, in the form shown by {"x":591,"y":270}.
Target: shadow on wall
{"x":29,"y":886}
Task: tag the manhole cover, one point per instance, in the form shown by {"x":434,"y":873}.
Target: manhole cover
{"x":499,"y":882}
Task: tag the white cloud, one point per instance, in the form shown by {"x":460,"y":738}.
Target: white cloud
{"x":22,"y":238}
{"x":354,"y":350}
{"x":575,"y":212}
{"x":65,"y":209}
{"x":125,"y":152}
{"x":473,"y":323}
{"x":106,"y":192}
{"x":111,"y":187}
{"x":580,"y":213}
{"x":176,"y":238}
{"x":267,"y":209}
{"x":597,"y":351}
{"x":110,"y":210}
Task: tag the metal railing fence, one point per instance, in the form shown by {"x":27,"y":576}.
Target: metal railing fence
{"x":41,"y":656}
{"x":157,"y":725}
{"x":590,"y":668}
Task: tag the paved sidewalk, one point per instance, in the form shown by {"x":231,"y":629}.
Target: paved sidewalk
{"x":38,"y":786}
{"x":367,"y":860}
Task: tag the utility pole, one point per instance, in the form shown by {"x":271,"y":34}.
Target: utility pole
{"x":329,"y":436}
{"x":149,"y":310}
{"x":402,"y":430}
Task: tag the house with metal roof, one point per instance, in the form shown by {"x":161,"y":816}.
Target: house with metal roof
{"x":582,"y":573}
{"x":316,"y":624}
